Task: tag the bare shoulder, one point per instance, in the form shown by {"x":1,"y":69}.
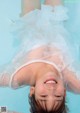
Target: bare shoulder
{"x":23,"y":75}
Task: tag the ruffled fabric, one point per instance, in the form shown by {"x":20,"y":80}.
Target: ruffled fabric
{"x":37,"y":20}
{"x":42,"y":30}
{"x":38,"y":28}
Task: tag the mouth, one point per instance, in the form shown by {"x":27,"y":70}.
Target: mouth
{"x":50,"y":81}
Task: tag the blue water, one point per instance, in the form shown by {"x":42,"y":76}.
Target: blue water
{"x":17,"y":100}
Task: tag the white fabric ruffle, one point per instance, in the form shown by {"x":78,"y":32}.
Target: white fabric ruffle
{"x":42,"y":29}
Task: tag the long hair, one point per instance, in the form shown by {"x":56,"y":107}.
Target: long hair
{"x":35,"y":107}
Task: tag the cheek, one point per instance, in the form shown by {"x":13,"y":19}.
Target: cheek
{"x":60,"y":89}
{"x":40,"y":89}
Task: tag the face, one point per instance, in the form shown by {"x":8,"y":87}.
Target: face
{"x":49,"y":89}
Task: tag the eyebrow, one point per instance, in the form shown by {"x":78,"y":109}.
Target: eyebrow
{"x":42,"y":99}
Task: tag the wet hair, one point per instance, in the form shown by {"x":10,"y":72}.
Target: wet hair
{"x":35,"y":107}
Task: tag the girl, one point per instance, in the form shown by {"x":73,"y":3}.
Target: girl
{"x":45,"y":61}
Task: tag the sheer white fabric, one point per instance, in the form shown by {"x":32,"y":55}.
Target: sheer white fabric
{"x":43,"y":39}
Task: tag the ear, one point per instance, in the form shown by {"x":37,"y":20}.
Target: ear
{"x":32,"y":89}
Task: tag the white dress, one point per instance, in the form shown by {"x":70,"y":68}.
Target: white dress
{"x":43,"y":39}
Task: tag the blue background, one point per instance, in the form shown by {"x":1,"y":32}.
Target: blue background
{"x":17,"y":100}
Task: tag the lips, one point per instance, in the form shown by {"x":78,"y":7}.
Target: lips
{"x":50,"y":81}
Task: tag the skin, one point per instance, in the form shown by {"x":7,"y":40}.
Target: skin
{"x":50,"y":94}
{"x":29,"y":5}
{"x":36,"y":74}
{"x":53,"y":2}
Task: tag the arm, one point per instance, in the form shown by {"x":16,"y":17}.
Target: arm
{"x":20,"y":78}
{"x":4,"y":80}
{"x":73,"y":83}
{"x":29,"y":5}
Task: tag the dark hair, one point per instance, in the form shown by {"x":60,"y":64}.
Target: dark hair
{"x":35,"y":107}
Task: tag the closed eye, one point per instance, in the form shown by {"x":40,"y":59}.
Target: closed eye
{"x":43,"y":97}
{"x":59,"y":97}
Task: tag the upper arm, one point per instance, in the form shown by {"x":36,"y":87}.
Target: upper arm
{"x":21,"y":77}
{"x":73,"y":83}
